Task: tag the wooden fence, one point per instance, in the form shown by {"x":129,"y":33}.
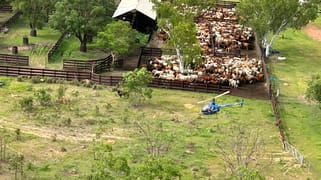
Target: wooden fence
{"x":299,"y":156}
{"x":56,"y":45}
{"x":11,"y":20}
{"x":109,"y":80}
{"x":97,"y":66}
{"x":166,"y":84}
{"x":103,"y":65}
{"x":6,"y":8}
{"x":188,"y":86}
{"x":106,"y":80}
{"x":14,"y":60}
{"x":27,"y":71}
{"x":226,"y":4}
{"x":147,"y":52}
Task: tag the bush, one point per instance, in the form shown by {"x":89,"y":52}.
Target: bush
{"x":19,"y":78}
{"x":313,"y":92}
{"x":61,"y":91}
{"x":43,"y":97}
{"x":26,"y":103}
{"x":36,"y":79}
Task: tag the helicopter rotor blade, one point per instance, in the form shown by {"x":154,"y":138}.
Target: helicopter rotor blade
{"x":222,"y":94}
{"x":199,"y":102}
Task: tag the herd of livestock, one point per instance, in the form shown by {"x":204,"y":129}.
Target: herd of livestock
{"x":221,"y":39}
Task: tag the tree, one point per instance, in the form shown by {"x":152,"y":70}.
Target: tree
{"x":82,"y":18}
{"x":135,"y":85}
{"x":107,"y":165}
{"x":35,"y":11}
{"x":181,"y":29}
{"x":270,"y":17}
{"x":156,"y":139}
{"x":239,"y":151}
{"x":313,"y":91}
{"x":156,"y":168}
{"x":117,"y":37}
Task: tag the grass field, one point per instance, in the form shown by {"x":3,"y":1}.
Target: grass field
{"x":101,"y":115}
{"x":301,"y":119}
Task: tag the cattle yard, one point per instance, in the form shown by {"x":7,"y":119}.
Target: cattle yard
{"x":65,"y":142}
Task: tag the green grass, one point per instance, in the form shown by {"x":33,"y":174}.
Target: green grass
{"x":300,"y":119}
{"x":186,"y":125}
{"x":69,"y":49}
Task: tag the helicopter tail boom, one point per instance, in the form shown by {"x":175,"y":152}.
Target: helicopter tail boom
{"x":233,"y":104}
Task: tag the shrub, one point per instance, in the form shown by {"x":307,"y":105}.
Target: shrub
{"x":75,"y":93}
{"x":61,"y":91}
{"x":36,"y":79}
{"x":19,"y":78}
{"x":26,"y":103}
{"x":43,"y":97}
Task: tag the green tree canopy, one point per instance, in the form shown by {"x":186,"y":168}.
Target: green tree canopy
{"x":118,"y":37}
{"x":35,"y":11}
{"x":82,"y":18}
{"x":273,"y":16}
{"x":135,"y":85}
{"x":313,"y":91}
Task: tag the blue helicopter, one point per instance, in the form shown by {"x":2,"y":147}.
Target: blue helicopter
{"x":213,"y":108}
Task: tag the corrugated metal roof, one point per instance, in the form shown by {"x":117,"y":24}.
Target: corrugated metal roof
{"x":143,"y":6}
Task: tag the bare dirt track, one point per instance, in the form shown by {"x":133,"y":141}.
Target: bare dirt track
{"x":60,"y":133}
{"x":313,"y":31}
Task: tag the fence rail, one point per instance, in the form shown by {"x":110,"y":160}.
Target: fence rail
{"x":299,"y":156}
{"x":56,"y":46}
{"x":106,"y":80}
{"x":148,"y":52}
{"x":97,"y":66}
{"x":109,"y":80}
{"x":6,"y":8}
{"x":226,"y":4}
{"x":188,"y":86}
{"x":103,"y":65}
{"x":11,"y":20}
{"x":27,"y":71}
{"x":14,"y":60}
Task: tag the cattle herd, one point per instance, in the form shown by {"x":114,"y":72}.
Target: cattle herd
{"x":221,"y":39}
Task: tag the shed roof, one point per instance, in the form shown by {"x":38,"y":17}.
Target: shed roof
{"x":143,"y":6}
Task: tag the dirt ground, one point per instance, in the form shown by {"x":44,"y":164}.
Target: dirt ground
{"x":313,"y":31}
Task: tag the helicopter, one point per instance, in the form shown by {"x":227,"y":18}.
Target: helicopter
{"x":213,"y":108}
